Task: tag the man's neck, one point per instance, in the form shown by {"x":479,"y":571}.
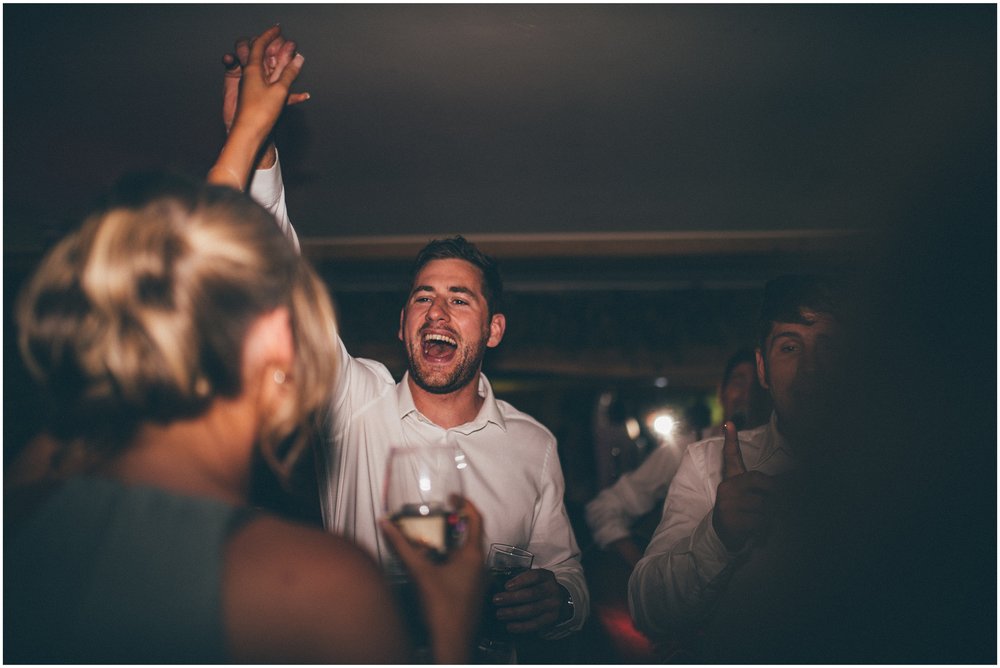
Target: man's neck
{"x":451,"y":409}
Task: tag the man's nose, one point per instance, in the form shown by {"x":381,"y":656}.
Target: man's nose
{"x":810,"y":360}
{"x":437,"y":310}
{"x":818,"y":361}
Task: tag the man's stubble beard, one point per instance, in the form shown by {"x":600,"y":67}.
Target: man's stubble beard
{"x":463,"y":373}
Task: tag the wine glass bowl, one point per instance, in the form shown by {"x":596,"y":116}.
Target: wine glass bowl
{"x":422,"y":488}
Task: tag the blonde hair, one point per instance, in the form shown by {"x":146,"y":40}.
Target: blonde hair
{"x":140,"y":316}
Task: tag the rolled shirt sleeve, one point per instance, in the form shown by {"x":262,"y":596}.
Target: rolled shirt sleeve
{"x":676,"y":582}
{"x":555,"y":547}
{"x":611,"y":514}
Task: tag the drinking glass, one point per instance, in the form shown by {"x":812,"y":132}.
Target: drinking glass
{"x":504,"y":562}
{"x":420,"y":488}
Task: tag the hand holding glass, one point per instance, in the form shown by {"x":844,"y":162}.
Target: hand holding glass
{"x":422,"y":486}
{"x":504,"y":562}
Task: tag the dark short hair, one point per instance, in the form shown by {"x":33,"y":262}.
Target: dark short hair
{"x":458,"y":248}
{"x":785,"y":297}
{"x":742,"y":356}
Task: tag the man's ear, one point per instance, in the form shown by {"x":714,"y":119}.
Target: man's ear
{"x":762,"y":370}
{"x":402,"y":318}
{"x":498,"y":325}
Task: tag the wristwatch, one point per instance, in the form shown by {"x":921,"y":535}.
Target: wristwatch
{"x":569,"y":605}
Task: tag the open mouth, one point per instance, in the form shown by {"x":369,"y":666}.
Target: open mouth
{"x":439,"y":347}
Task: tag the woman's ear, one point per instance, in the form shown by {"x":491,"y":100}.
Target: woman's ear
{"x":268,"y":346}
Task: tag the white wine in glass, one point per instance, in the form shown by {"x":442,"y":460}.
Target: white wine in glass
{"x":421,"y":487}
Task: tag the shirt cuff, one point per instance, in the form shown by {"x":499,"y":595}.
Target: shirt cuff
{"x":606,"y":535}
{"x":574,"y":623}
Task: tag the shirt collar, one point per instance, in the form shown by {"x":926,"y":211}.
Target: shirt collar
{"x":489,"y":412}
{"x":404,"y":398}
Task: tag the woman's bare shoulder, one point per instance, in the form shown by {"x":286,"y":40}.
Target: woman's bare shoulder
{"x":297,"y":594}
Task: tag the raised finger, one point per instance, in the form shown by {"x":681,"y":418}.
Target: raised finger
{"x":289,"y":73}
{"x":732,"y":457}
{"x":258,"y":45}
{"x":232,"y":65}
{"x":230,"y":88}
{"x":242,"y":50}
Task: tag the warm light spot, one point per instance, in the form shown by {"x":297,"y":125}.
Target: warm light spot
{"x":664,"y":425}
{"x":633,"y":428}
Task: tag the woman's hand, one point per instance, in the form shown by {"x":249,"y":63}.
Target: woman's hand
{"x":255,"y":91}
{"x":452,"y":591}
{"x":277,"y":55}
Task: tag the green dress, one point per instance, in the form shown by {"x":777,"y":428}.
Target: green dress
{"x":102,"y":572}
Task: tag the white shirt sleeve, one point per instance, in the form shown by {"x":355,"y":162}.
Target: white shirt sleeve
{"x":686,"y":563}
{"x":611,"y":514}
{"x":268,"y":190}
{"x":555,"y":548}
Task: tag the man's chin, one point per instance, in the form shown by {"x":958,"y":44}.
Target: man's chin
{"x":442,"y":388}
{"x":437,"y":383}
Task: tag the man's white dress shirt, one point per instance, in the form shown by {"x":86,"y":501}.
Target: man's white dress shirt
{"x":687,"y":575}
{"x":513,"y":474}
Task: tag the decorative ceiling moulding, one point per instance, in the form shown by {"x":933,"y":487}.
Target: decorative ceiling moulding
{"x":597,"y":244}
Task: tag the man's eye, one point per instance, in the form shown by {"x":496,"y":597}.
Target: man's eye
{"x":459,"y":301}
{"x":789,"y":348}
{"x":421,"y":299}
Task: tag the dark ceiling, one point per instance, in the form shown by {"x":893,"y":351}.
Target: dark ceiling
{"x":434,"y":119}
{"x":639,"y":169}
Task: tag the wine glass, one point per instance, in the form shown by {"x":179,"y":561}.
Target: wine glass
{"x":421,"y":485}
{"x":504,"y":562}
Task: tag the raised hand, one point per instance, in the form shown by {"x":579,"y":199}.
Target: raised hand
{"x":263,"y":90}
{"x":451,"y":592}
{"x":277,"y":55}
{"x":533,"y":602}
{"x":743,"y":499}
{"x":267,"y":76}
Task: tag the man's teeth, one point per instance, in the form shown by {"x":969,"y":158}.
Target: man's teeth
{"x":441,"y":338}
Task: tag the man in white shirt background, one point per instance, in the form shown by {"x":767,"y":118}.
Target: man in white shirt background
{"x":611,"y":514}
{"x":711,"y":579}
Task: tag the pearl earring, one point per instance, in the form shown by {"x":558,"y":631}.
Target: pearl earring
{"x":279,"y":376}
